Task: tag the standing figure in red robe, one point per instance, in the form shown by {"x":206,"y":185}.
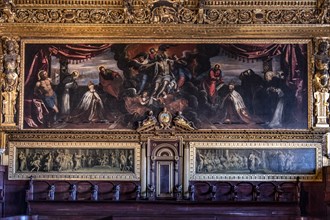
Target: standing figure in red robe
{"x":210,"y":83}
{"x":110,"y":81}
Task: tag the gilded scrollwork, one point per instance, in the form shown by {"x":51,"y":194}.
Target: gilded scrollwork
{"x":168,"y":12}
{"x":10,"y":62}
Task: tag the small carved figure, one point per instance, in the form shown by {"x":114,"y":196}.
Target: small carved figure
{"x":178,"y":190}
{"x":213,"y":192}
{"x":321,"y":108}
{"x":181,"y":121}
{"x":200,"y":15}
{"x":321,"y":84}
{"x":9,"y":77}
{"x":51,"y":192}
{"x":73,"y":192}
{"x":8,"y":9}
{"x":95,"y":190}
{"x":192,"y":192}
{"x":128,"y":17}
{"x":138,"y":192}
{"x":323,"y":8}
{"x":11,"y":60}
{"x":149,"y":121}
{"x":163,"y":14}
{"x":116,"y":194}
{"x":151,"y":192}
{"x":322,"y":61}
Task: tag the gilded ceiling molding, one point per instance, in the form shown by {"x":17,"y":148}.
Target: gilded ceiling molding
{"x":165,"y":12}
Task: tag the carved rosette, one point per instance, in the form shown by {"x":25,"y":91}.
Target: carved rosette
{"x":174,"y":12}
{"x":10,"y":68}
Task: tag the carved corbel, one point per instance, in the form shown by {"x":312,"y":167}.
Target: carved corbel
{"x":9,"y":69}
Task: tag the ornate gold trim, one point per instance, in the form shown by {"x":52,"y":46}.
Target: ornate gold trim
{"x":205,"y":135}
{"x":164,"y":12}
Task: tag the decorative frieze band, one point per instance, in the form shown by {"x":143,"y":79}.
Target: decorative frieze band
{"x":167,"y":12}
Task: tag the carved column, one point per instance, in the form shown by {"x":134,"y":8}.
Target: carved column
{"x":144,"y":171}
{"x":327,"y":146}
{"x":10,"y":63}
{"x":186,"y":171}
{"x":321,"y":83}
{"x":321,"y":108}
{"x":3,"y":143}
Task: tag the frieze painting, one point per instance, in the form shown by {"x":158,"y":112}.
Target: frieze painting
{"x":75,"y":161}
{"x":272,"y":160}
{"x":255,"y":85}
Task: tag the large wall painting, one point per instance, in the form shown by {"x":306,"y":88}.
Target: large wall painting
{"x":254,"y":160}
{"x":64,"y":160}
{"x":229,"y":85}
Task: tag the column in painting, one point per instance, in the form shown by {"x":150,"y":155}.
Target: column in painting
{"x":321,"y":84}
{"x":9,"y":80}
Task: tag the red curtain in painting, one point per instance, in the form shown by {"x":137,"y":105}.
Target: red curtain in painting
{"x":73,"y":53}
{"x":294,"y":58}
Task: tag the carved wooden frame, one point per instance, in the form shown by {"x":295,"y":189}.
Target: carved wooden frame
{"x":103,"y":172}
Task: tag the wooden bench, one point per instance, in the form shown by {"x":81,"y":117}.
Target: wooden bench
{"x":122,"y":201}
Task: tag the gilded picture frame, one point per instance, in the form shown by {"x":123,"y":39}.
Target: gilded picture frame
{"x":258,"y":161}
{"x":74,"y":160}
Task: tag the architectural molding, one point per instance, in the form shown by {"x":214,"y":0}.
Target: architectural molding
{"x":165,"y":12}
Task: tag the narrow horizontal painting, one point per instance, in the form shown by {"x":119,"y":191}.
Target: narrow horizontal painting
{"x":73,"y":160}
{"x":216,"y":86}
{"x":255,"y":160}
